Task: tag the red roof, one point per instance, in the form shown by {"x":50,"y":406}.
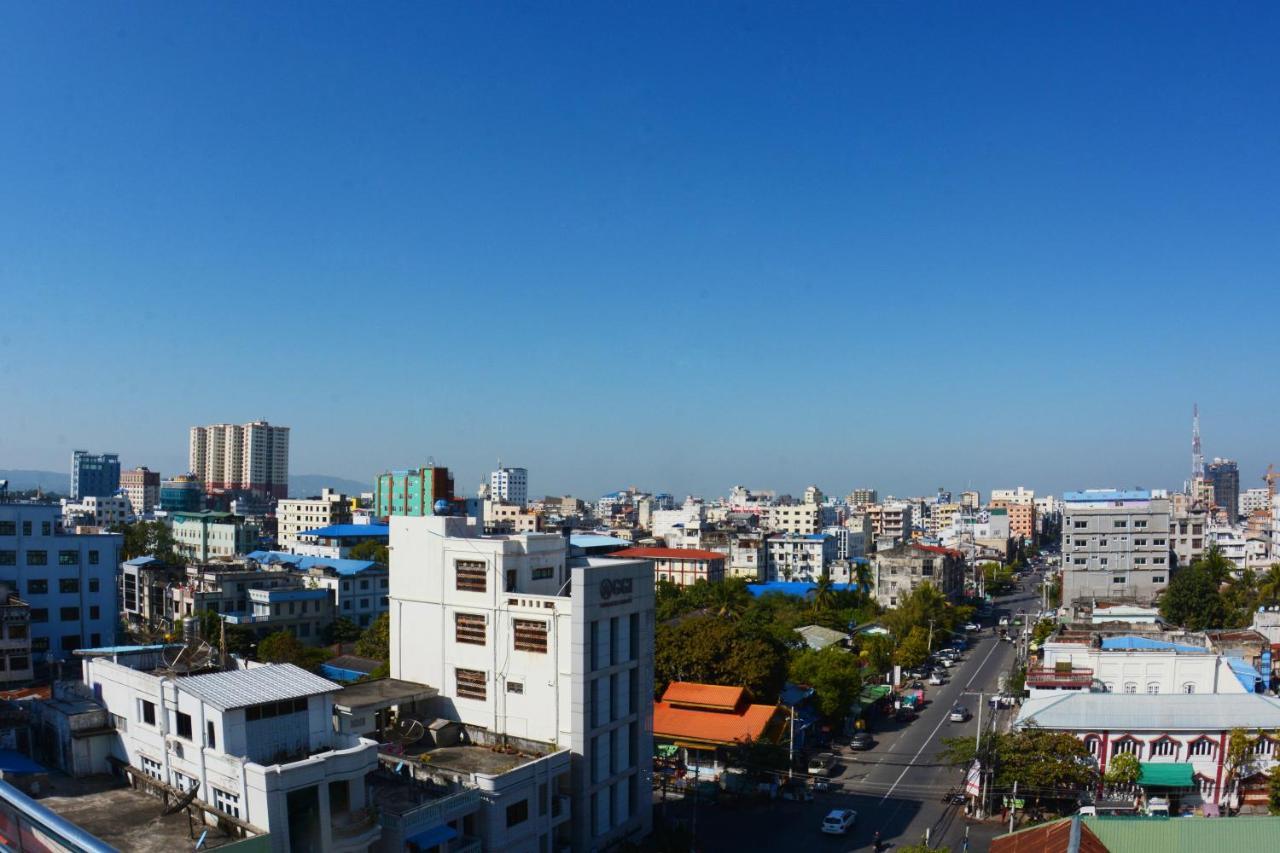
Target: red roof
{"x":1048,"y":838}
{"x":950,"y":552}
{"x":668,"y":554}
{"x":706,"y":696}
{"x":711,"y":727}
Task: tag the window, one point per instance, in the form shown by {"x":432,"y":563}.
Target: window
{"x":530,"y":636}
{"x":93,"y":558}
{"x":1153,"y":687}
{"x":46,"y":528}
{"x":544,"y":573}
{"x":516,"y":687}
{"x":1158,"y":561}
{"x":1081,"y":525}
{"x":148,"y":712}
{"x":1127,"y":746}
{"x":364,"y":584}
{"x":275,"y":709}
{"x":1119,"y":523}
{"x":37,"y":558}
{"x":93,"y":582}
{"x":1189,"y":687}
{"x":1157,"y":578}
{"x":1157,"y":541}
{"x":471,"y":575}
{"x":68,"y":584}
{"x":1263,"y":746}
{"x":8,"y":558}
{"x":17,"y":664}
{"x":182,"y":723}
{"x":1131,"y":687}
{"x":1202,"y":747}
{"x":70,"y":642}
{"x":68,"y":558}
{"x":39,"y":614}
{"x":1164,"y":747}
{"x":1139,"y":542}
{"x":471,"y":684}
{"x":17,"y":631}
{"x":94,"y":612}
{"x":69,"y":614}
{"x":1118,"y":579}
{"x":1092,"y":744}
{"x":152,"y":768}
{"x":469,"y":628}
{"x":225,"y":802}
{"x":40,"y":644}
{"x":517,"y":813}
{"x":1139,"y":522}
{"x":1103,"y":561}
{"x":26,"y":528}
{"x":8,"y":528}
{"x":37,"y":587}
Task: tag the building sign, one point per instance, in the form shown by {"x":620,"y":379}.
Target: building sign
{"x":616,"y":587}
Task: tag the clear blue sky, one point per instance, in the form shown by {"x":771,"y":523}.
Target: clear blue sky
{"x":901,"y":245}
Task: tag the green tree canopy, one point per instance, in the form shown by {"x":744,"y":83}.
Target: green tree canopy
{"x":283,"y":647}
{"x":835,"y":676}
{"x":1192,"y":600}
{"x":706,"y":649}
{"x":1124,"y":769}
{"x":914,"y":650}
{"x":1038,"y":760}
{"x":370,"y":550}
{"x":341,"y":630}
{"x":375,"y":642}
{"x":148,"y":539}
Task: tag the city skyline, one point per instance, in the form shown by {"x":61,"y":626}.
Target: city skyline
{"x":858,"y":246}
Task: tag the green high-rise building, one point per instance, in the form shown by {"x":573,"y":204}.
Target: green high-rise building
{"x":412,"y":492}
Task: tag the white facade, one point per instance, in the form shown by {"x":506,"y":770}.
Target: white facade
{"x":849,"y":543}
{"x":256,"y":742}
{"x":68,"y":579}
{"x":94,"y":511}
{"x":510,"y":485}
{"x":301,"y":514}
{"x":673,"y":525}
{"x":797,"y":557}
{"x":805,"y":519}
{"x":1115,"y":545}
{"x":520,"y":643}
{"x":204,"y":536}
{"x":1149,"y":671}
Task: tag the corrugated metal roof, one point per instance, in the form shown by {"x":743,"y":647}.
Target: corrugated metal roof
{"x":1160,"y":835}
{"x":1129,"y":641}
{"x":1108,"y":495}
{"x":341,"y":566}
{"x":349,"y":531}
{"x":1150,"y":712}
{"x":244,"y":687}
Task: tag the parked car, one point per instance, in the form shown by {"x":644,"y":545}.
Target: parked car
{"x":822,"y":764}
{"x":1004,"y":621}
{"x":937,"y":679}
{"x":861,"y":741}
{"x":904,"y":715}
{"x":839,"y":821}
{"x":972,"y":626}
{"x":959,"y":714}
{"x":946,"y":661}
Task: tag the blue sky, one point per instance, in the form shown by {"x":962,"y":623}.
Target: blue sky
{"x":901,"y":245}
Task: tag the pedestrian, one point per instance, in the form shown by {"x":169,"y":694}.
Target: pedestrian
{"x":875,"y":842}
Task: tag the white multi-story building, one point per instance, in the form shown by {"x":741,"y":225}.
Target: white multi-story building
{"x":509,"y":486}
{"x":142,"y":487}
{"x":301,"y":514}
{"x":258,"y":744}
{"x":668,"y":525}
{"x":891,"y":520}
{"x":207,"y":535}
{"x":799,"y":557}
{"x":1252,"y":500}
{"x":93,"y":511}
{"x":1138,"y":664}
{"x":524,"y":644}
{"x":849,"y":543}
{"x":69,"y":580}
{"x":1115,"y":545}
{"x":252,"y":457}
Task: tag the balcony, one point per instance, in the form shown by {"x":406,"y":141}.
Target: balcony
{"x":355,"y":831}
{"x":1045,"y":678}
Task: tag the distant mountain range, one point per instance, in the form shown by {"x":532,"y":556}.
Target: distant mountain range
{"x":302,"y":485}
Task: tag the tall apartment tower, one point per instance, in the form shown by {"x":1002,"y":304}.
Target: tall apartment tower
{"x":142,"y":487}
{"x":1225,"y":476}
{"x":509,"y":485}
{"x":94,"y":475}
{"x":1021,"y":505}
{"x":1115,"y":546}
{"x":252,"y":457}
{"x":528,"y":644}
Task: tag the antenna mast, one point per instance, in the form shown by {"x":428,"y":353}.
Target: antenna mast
{"x":1197,"y":458}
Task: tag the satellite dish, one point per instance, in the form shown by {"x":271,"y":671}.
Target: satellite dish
{"x":194,"y":656}
{"x":406,"y":731}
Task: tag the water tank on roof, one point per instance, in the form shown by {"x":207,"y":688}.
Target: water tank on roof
{"x":441,"y":507}
{"x":189,"y":629}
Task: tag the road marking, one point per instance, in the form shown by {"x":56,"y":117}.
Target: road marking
{"x":927,"y":740}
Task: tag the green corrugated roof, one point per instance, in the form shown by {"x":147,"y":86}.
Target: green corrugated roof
{"x":1166,"y":775}
{"x":1186,"y":834}
{"x":873,"y":692}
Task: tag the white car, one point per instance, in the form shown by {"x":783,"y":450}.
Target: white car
{"x":959,"y":714}
{"x":936,"y":678}
{"x":946,"y":661}
{"x":972,"y":626}
{"x":839,"y":821}
{"x":822,"y":764}
{"x":1004,"y":621}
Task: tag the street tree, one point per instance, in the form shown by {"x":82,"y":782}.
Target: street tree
{"x":914,"y":650}
{"x":716,"y":651}
{"x":375,"y":642}
{"x":1124,"y":769}
{"x":835,"y":676}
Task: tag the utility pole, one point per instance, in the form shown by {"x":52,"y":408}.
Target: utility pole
{"x":930,"y":635}
{"x":791,"y":749}
{"x":1013,"y":804}
{"x":977,"y":751}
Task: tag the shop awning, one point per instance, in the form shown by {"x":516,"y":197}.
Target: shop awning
{"x":1166,"y":775}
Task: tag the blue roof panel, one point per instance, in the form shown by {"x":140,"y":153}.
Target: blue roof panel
{"x":342,"y":567}
{"x":1131,"y":642}
{"x":12,"y":761}
{"x":350,"y":531}
{"x":796,"y":588}
{"x":1108,"y":495}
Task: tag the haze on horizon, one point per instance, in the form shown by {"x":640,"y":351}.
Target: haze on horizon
{"x":670,"y":247}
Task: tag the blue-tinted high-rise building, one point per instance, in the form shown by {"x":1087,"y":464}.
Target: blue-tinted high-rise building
{"x":94,"y":474}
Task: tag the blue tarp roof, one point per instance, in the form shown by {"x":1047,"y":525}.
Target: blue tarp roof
{"x":1249,"y":677}
{"x":797,"y":588}
{"x":123,"y":650}
{"x":595,"y":540}
{"x":342,"y":567}
{"x":336,"y":673}
{"x":140,"y":561}
{"x":432,"y":837}
{"x":12,"y":761}
{"x":1108,"y":495}
{"x":1131,"y":642}
{"x":793,"y":694}
{"x":350,"y":531}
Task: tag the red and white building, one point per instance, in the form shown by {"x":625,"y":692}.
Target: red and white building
{"x":680,"y":566}
{"x":1190,"y":731}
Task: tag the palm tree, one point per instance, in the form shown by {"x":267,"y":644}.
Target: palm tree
{"x":1269,"y":586}
{"x":728,"y":599}
{"x":823,"y":594}
{"x":862,"y":574}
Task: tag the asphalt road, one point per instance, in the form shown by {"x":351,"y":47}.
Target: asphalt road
{"x":897,"y":787}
